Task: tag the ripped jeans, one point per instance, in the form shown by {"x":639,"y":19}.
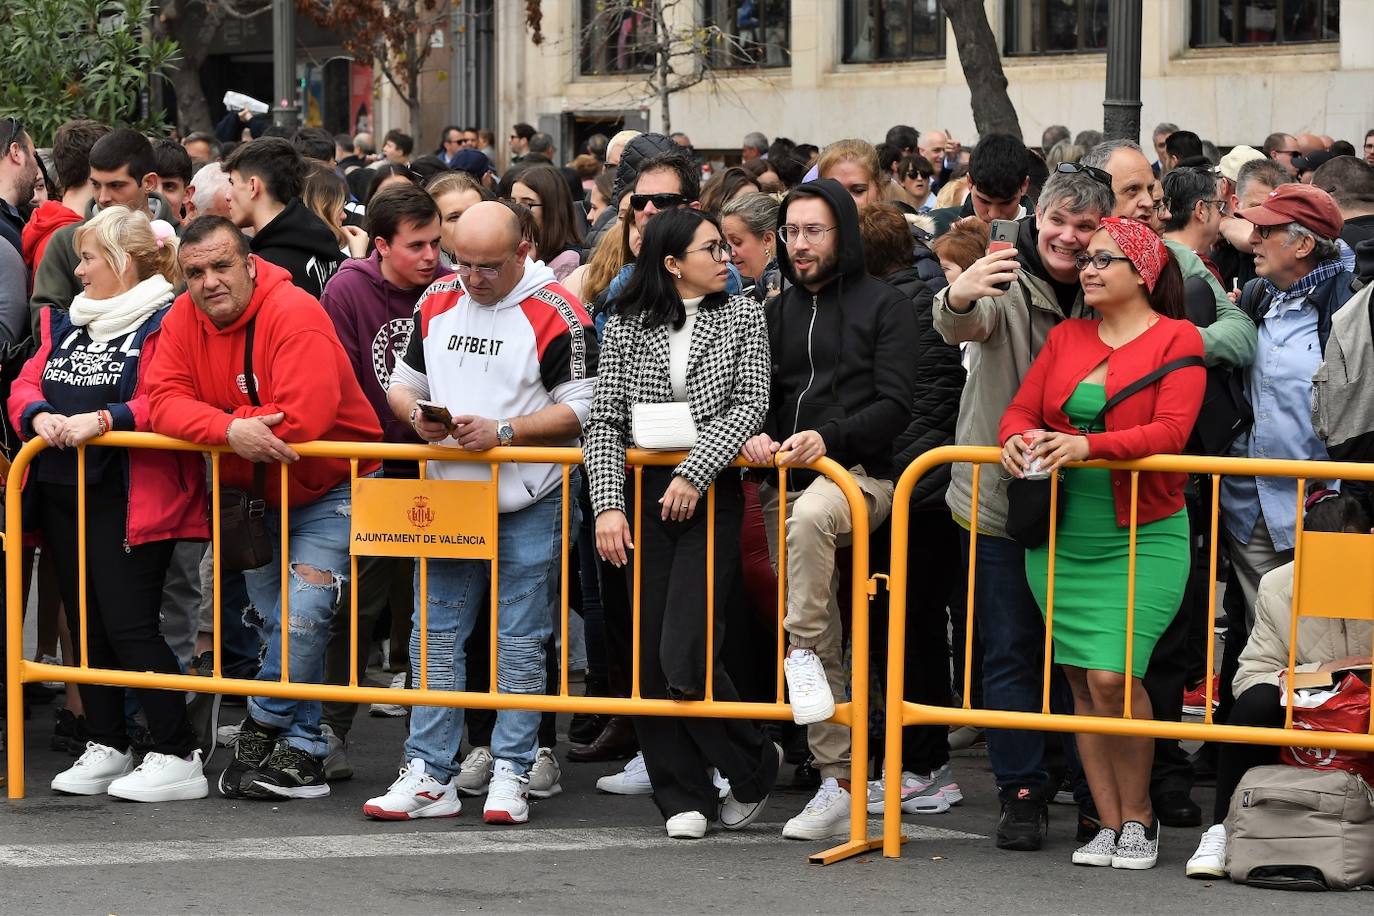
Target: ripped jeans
{"x":529,"y":545}
{"x":319,"y":565}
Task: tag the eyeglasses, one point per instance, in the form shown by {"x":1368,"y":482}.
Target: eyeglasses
{"x":1092,"y":172}
{"x":16,"y":129}
{"x":789,"y":235}
{"x":1101,"y":260}
{"x":1265,"y":230}
{"x":1289,"y":152}
{"x":718,"y":250}
{"x":486,"y":273}
{"x":1160,"y":206}
{"x":660,"y":201}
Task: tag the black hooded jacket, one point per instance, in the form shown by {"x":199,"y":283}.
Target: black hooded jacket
{"x":299,"y":240}
{"x":844,"y":358}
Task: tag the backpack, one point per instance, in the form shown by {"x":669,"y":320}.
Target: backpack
{"x":1225,"y":411}
{"x":1293,"y":828}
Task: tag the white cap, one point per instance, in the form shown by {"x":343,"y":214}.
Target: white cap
{"x":1239,"y":155}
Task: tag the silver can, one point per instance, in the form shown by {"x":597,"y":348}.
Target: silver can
{"x":1035,"y":469}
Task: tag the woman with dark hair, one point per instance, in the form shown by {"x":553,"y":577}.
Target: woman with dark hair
{"x":683,"y":367}
{"x":1133,"y":282}
{"x":558,"y":237}
{"x":725,"y":187}
{"x":1324,"y":644}
{"x":391,"y":173}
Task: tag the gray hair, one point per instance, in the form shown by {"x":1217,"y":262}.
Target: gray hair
{"x":756,"y":140}
{"x":210,"y":182}
{"x":1164,"y":127}
{"x":1077,"y":192}
{"x":759,"y":212}
{"x":1323,"y":249}
{"x":1266,"y":171}
{"x":1097,"y":156}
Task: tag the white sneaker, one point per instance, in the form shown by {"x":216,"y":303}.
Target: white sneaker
{"x":1210,"y":859}
{"x":920,"y":795}
{"x":507,"y":796}
{"x":1099,"y":851}
{"x":391,"y":710}
{"x":735,"y":814}
{"x":825,"y":815}
{"x":807,"y":688}
{"x":544,"y":775}
{"x":94,"y":771}
{"x":415,"y":794}
{"x":689,"y":825}
{"x":633,"y":780}
{"x":1135,"y":848}
{"x":336,"y":765}
{"x":475,"y":771}
{"x":51,"y":660}
{"x":163,"y":778}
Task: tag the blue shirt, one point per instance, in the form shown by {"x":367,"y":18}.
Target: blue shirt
{"x":1280,"y":389}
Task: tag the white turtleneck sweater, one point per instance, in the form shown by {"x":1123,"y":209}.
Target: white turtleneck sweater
{"x":679,"y":345}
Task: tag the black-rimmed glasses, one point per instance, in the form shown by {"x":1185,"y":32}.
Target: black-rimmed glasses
{"x":1101,"y":260}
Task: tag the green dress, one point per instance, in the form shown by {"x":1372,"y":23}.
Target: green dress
{"x":1091,"y":554}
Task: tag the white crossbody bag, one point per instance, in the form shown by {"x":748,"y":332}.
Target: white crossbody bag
{"x":664,"y":427}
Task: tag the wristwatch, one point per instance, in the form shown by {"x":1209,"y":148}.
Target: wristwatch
{"x":505,"y":433}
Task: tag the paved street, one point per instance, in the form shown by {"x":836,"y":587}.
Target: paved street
{"x":581,"y":852}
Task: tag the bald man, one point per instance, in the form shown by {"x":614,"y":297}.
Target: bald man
{"x":499,"y":355}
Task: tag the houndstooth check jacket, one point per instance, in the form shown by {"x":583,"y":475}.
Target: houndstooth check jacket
{"x":728,"y":373}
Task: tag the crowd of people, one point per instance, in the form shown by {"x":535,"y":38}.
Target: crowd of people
{"x":864,"y":302}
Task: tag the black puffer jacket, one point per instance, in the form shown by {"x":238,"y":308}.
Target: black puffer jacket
{"x":935,"y":406}
{"x":842,"y":356}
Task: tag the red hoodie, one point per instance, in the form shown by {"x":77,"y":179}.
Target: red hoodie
{"x":46,"y":220}
{"x":196,"y":383}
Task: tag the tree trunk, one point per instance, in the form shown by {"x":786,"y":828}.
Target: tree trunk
{"x":993,"y":111}
{"x":193,"y":110}
{"x":663,"y":37}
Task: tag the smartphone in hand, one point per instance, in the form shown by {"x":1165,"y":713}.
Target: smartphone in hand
{"x":1001,"y":236}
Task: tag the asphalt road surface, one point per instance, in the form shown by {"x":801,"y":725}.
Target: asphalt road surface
{"x":581,"y":852}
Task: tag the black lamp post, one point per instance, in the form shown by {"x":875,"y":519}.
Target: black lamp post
{"x":1121,"y":107}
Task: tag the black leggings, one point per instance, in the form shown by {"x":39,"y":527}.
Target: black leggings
{"x":123,"y":600}
{"x":1257,"y":706}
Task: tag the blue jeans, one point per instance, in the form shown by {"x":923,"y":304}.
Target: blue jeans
{"x":529,"y":545}
{"x":1011,"y":630}
{"x":319,"y":539}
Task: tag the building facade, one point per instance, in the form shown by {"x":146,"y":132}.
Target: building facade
{"x":815,"y":70}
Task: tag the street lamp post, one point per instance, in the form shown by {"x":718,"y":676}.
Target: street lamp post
{"x":285,"y":113}
{"x":1121,"y":107}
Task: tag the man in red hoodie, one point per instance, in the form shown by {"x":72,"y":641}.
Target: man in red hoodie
{"x":372,"y":304}
{"x":297,"y":386}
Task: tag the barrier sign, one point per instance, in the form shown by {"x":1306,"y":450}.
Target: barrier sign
{"x":449,"y":519}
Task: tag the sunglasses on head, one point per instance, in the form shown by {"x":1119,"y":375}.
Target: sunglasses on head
{"x":15,"y":130}
{"x":660,"y":201}
{"x":1092,"y":172}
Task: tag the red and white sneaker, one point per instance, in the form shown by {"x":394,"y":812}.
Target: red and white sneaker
{"x":507,"y":796}
{"x":1195,"y":700}
{"x":415,"y":794}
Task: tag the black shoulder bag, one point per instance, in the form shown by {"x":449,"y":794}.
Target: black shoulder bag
{"x":1028,"y":501}
{"x":244,"y":541}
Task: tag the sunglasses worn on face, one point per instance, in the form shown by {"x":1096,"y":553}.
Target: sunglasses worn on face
{"x":660,"y":201}
{"x":1094,"y":173}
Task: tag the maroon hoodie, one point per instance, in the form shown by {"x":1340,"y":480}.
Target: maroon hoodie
{"x":373,"y":320}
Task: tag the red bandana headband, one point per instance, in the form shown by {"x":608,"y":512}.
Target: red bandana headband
{"x":1139,"y":243}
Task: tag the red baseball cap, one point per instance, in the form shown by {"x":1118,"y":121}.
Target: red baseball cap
{"x":1309,"y":207}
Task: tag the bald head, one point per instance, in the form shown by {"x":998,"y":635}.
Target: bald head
{"x":489,"y":251}
{"x":1309,"y":143}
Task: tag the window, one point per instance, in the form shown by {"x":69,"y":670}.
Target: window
{"x":1255,"y":22}
{"x":615,"y":38}
{"x":1056,"y":26}
{"x":882,"y":30}
{"x":755,"y":33}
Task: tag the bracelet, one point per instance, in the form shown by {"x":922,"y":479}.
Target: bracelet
{"x":101,"y":428}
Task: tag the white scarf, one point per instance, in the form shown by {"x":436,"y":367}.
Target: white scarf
{"x":107,"y":319}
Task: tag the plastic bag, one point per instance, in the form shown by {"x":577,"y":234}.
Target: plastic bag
{"x":1343,"y":708}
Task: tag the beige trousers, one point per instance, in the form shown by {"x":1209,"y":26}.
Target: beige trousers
{"x":818,"y":522}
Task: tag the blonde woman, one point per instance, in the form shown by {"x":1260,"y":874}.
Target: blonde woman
{"x":88,"y":378}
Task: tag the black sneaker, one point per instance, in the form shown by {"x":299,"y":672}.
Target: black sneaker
{"x":1088,"y":824}
{"x":252,"y":746}
{"x":288,"y":773}
{"x":69,"y":733}
{"x":1024,"y":822}
{"x":806,"y":776}
{"x":585,"y":727}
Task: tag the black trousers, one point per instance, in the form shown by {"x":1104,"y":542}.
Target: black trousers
{"x":1257,"y":706}
{"x":673,"y":591}
{"x":123,"y":601}
{"x":934,"y":566}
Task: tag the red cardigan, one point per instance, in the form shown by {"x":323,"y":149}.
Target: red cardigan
{"x":1156,"y":420}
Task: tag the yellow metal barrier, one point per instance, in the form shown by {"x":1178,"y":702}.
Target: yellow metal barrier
{"x":853,"y":713}
{"x":1333,"y":576}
